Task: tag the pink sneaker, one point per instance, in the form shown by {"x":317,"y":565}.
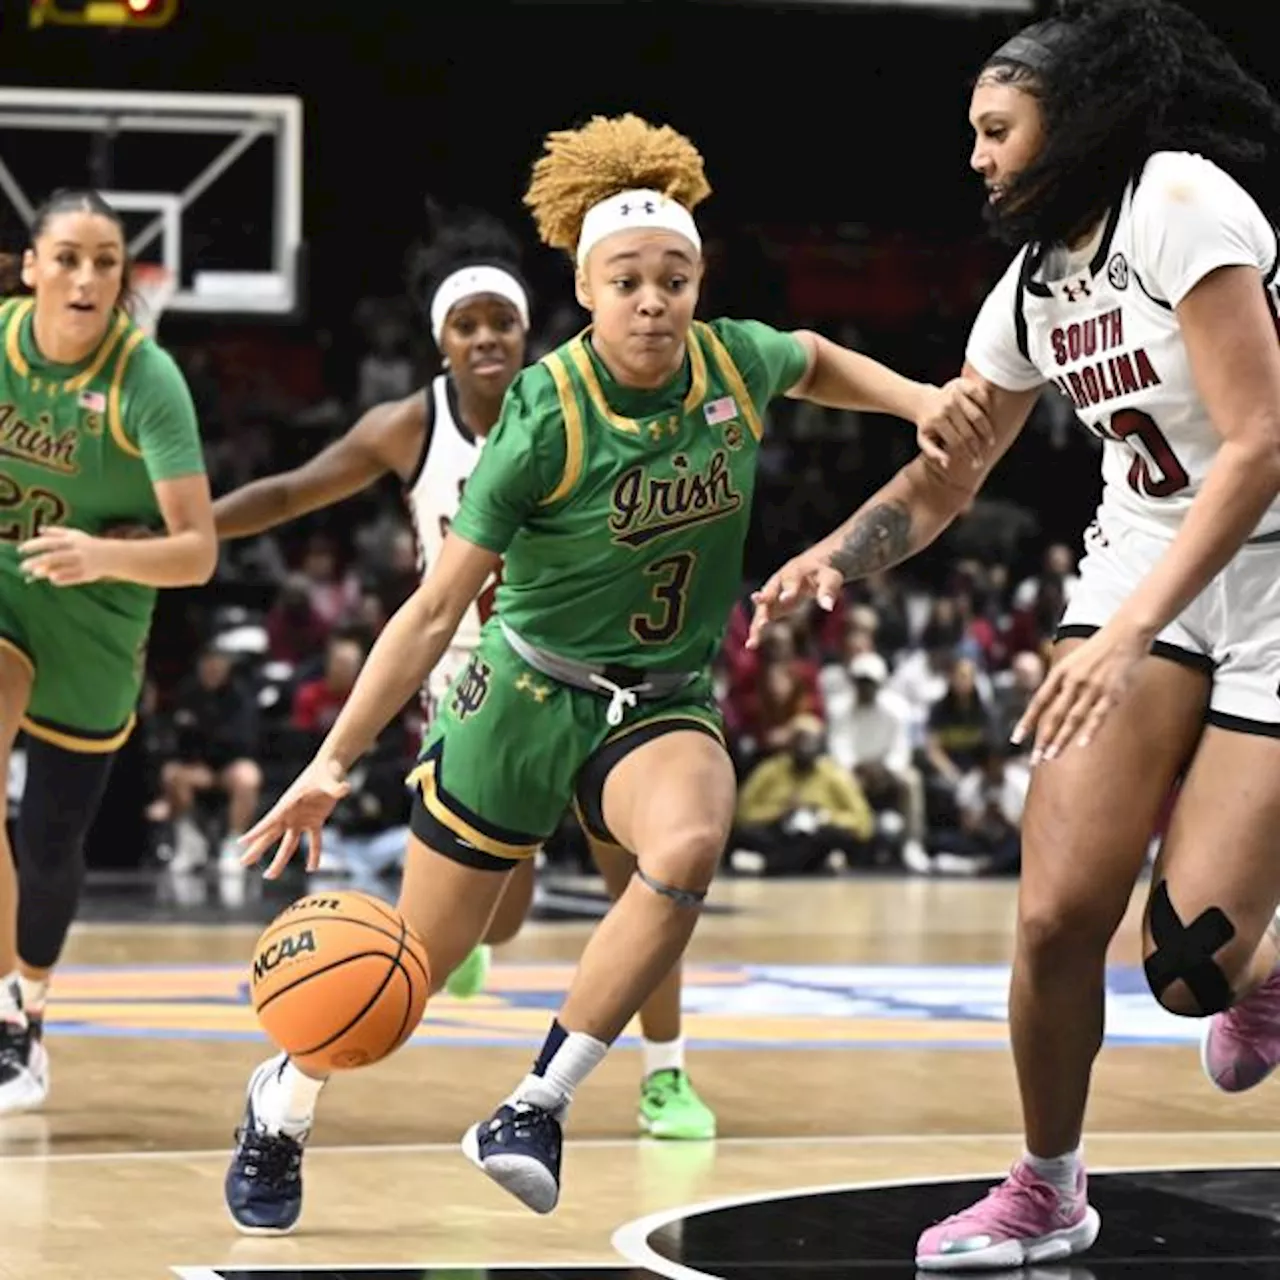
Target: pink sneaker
{"x":1241,"y":1048}
{"x":1023,"y":1220}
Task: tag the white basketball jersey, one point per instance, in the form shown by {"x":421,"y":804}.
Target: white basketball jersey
{"x":434,"y":493}
{"x":1100,"y":325}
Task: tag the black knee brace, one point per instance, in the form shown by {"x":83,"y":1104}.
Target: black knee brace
{"x":681,"y":897}
{"x":1185,"y":952}
{"x":63,"y":793}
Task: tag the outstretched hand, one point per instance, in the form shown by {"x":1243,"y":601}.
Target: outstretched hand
{"x":806,"y":577}
{"x":302,"y":810}
{"x":1081,"y":689}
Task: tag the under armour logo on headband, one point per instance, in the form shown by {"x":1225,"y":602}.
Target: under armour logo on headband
{"x":632,"y":211}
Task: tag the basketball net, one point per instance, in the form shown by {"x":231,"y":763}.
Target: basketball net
{"x":153,"y":286}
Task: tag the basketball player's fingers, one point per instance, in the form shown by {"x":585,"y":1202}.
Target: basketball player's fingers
{"x":49,"y":540}
{"x":313,"y":848}
{"x":969,"y":422}
{"x":1040,"y":700}
{"x":283,"y":854}
{"x":1062,"y":717}
{"x":974,"y":402}
{"x":759,"y":620}
{"x":933,"y":447}
{"x":827,"y":584}
{"x":1075,"y":714}
{"x":1094,"y":721}
{"x":256,"y":843}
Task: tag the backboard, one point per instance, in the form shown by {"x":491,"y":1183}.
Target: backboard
{"x":209,"y":184}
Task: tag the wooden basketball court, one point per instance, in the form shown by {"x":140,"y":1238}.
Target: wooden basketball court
{"x":825,"y":1065}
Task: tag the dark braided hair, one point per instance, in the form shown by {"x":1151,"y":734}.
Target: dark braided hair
{"x":1124,"y":79}
{"x":460,"y":238}
{"x":66,"y":200}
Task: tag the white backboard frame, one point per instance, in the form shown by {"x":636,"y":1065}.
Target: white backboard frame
{"x":244,"y":118}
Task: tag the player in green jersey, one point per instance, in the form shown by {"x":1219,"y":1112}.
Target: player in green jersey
{"x":615,"y":492}
{"x":98,"y":443}
{"x":468,"y":285}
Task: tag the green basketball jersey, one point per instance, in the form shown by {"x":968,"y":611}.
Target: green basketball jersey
{"x":82,"y":445}
{"x":622,"y":514}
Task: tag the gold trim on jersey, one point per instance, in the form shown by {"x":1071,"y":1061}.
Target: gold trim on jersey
{"x":424,"y":777}
{"x":574,"y":434}
{"x":729,"y":372}
{"x":13,"y":346}
{"x":74,"y":742}
{"x":587,"y":371}
{"x":113,"y":396}
{"x":707,"y":721}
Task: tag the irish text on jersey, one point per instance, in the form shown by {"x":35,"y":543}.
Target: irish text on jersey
{"x":647,"y":504}
{"x":36,"y":442}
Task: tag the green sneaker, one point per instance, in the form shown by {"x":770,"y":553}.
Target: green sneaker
{"x":671,"y":1108}
{"x":469,"y":977}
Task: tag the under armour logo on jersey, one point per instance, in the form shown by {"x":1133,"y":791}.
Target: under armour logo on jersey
{"x":648,"y":206}
{"x":1118,"y":271}
{"x":1076,"y":290}
{"x":527,"y":684}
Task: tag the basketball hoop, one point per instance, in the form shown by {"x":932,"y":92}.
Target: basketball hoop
{"x":153,"y":286}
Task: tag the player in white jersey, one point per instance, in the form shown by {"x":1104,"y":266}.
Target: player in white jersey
{"x":469,"y":285}
{"x":1120,"y":143}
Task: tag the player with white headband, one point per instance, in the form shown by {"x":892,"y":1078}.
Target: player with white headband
{"x":615,"y":492}
{"x":468,"y":283}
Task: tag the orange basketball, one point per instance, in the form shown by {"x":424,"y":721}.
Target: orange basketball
{"x":339,"y":980}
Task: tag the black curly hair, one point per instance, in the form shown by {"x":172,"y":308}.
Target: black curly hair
{"x":459,"y":238}
{"x":1118,"y":80}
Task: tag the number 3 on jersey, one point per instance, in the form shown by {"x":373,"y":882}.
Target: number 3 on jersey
{"x":670,"y":593}
{"x":1155,"y":471}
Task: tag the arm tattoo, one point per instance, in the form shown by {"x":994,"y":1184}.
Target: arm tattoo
{"x":877,"y":538}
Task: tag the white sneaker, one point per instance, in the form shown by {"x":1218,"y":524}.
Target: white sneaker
{"x":190,"y":848}
{"x":24,"y":1067}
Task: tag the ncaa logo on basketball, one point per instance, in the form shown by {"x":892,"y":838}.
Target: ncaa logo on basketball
{"x":1118,"y":271}
{"x":288,"y":948}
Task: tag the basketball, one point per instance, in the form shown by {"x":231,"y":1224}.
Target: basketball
{"x":339,"y":981}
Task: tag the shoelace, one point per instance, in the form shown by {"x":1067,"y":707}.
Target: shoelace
{"x":1021,"y":1186}
{"x":273,"y":1159}
{"x":527,"y":1122}
{"x":1256,"y":1014}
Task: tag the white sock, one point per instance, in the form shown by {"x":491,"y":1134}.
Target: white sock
{"x":566,"y":1060}
{"x":1058,"y":1171}
{"x":285,"y":1099}
{"x":11,"y":1000}
{"x":35,"y":992}
{"x":663,"y":1055}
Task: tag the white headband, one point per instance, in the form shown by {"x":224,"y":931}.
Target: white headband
{"x":468,"y":282}
{"x":631,"y":210}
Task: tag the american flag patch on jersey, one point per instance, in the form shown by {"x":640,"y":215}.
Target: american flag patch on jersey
{"x":721,"y":410}
{"x":94,"y":401}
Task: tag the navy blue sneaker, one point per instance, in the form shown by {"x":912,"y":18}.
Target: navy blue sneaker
{"x":519,"y":1148}
{"x":263,"y":1187}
